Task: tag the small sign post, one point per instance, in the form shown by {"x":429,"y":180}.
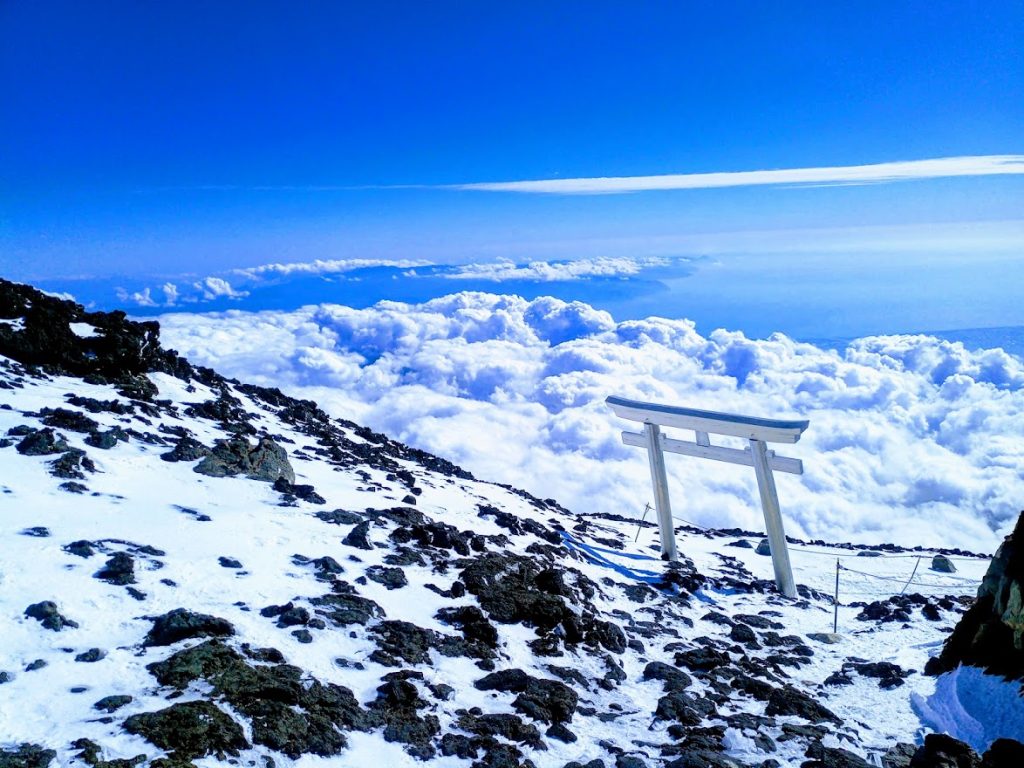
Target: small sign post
{"x":706,"y":423}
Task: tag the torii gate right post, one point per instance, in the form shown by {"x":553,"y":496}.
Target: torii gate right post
{"x":705,"y":423}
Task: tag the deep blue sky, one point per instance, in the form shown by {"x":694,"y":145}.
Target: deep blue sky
{"x":169,"y":137}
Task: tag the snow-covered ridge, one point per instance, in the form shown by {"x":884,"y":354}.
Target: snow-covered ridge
{"x":195,"y":570}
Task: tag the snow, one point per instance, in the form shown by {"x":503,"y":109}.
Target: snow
{"x":138,"y":498}
{"x":84,"y":330}
{"x":974,"y":707}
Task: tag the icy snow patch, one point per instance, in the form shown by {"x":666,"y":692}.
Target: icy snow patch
{"x":84,"y":330}
{"x":974,"y":707}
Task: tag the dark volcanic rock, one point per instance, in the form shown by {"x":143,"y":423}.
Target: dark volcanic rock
{"x":991,"y":634}
{"x":547,"y":700}
{"x":266,"y":461}
{"x":286,"y":713}
{"x":189,"y":730}
{"x":1004,"y":753}
{"x":358,"y":537}
{"x":46,"y":613}
{"x":391,"y":578}
{"x":92,"y":655}
{"x":788,"y":700}
{"x":107,"y":439}
{"x":120,"y":349}
{"x":26,"y":756}
{"x":181,"y":623}
{"x":119,"y":569}
{"x":42,"y":443}
{"x":396,"y":706}
{"x":186,"y":449}
{"x":942,"y":751}
{"x":64,"y":418}
{"x":340,"y":517}
{"x":112,"y":703}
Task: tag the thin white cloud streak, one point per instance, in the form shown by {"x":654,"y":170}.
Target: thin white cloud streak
{"x":877,"y":173}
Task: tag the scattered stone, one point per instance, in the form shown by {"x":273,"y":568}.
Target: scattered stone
{"x":391,"y":578}
{"x":73,"y":487}
{"x":291,"y":492}
{"x":108,"y":439}
{"x":186,"y":449}
{"x":788,"y":700}
{"x":358,"y":537}
{"x":829,"y":638}
{"x":69,"y":465}
{"x":763,"y":547}
{"x":119,"y":570}
{"x":36,"y":531}
{"x":46,"y":613}
{"x":113,"y":703}
{"x":32,"y":666}
{"x":80,"y":548}
{"x":229,"y":562}
{"x":181,"y":624}
{"x":340,"y":517}
{"x":91,"y":656}
{"x":943,"y":564}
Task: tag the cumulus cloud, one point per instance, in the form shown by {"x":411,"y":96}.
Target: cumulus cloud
{"x":912,"y":439}
{"x":876,"y":173}
{"x":210,"y":288}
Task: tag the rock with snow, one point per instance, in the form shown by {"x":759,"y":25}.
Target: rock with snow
{"x":991,"y":634}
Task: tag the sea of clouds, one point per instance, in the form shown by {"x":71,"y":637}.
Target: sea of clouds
{"x":912,"y":439}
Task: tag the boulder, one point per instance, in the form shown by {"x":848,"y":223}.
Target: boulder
{"x":942,"y":564}
{"x":46,"y":613}
{"x":942,"y":751}
{"x":181,"y":623}
{"x":44,"y":442}
{"x":266,"y":461}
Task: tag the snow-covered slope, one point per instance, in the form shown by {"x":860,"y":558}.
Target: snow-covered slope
{"x":195,"y":571}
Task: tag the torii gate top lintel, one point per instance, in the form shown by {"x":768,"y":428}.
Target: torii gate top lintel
{"x":750,"y":427}
{"x":757,"y":430}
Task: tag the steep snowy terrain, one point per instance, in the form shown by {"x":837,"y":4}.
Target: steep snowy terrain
{"x":194,"y":571}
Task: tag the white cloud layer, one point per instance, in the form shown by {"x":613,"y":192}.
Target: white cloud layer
{"x":912,"y":439}
{"x":555,"y":271}
{"x":876,"y":173}
{"x":323,"y":267}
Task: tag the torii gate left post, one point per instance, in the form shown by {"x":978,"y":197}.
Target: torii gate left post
{"x":705,"y":423}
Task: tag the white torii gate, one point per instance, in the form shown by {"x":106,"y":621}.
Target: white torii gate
{"x":704,"y":423}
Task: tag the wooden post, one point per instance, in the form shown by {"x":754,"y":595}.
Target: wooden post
{"x":772,"y":519}
{"x":659,"y":480}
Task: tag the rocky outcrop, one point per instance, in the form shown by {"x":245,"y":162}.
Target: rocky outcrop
{"x":265,"y":461}
{"x":991,"y":634}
